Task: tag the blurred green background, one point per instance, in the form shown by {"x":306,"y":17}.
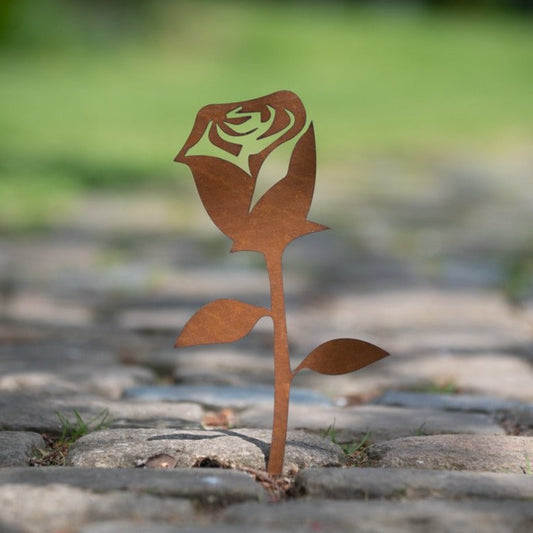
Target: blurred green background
{"x":100,"y":95}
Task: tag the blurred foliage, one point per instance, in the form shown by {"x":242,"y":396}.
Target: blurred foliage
{"x":518,"y":279}
{"x":48,"y":24}
{"x":103,"y":94}
{"x":31,"y":23}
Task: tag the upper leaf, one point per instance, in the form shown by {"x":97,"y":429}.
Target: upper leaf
{"x":280,"y":215}
{"x":226,"y":192}
{"x":220,"y":321}
{"x":340,"y":356}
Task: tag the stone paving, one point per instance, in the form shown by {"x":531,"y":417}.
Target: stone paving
{"x":104,"y":427}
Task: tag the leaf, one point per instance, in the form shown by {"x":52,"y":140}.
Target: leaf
{"x":280,"y":215}
{"x":292,"y":195}
{"x":226,"y":192}
{"x":220,"y":321}
{"x":340,"y":356}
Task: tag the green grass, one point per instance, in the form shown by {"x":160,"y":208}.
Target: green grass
{"x":444,"y":387}
{"x":349,"y":448}
{"x":55,"y":453}
{"x":72,"y":431}
{"x":419,"y":431}
{"x":113,"y":113}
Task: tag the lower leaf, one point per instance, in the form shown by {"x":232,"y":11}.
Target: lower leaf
{"x":220,"y":321}
{"x":341,"y":356}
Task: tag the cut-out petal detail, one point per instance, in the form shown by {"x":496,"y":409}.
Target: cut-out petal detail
{"x":341,"y":356}
{"x":269,"y":121}
{"x":220,"y":321}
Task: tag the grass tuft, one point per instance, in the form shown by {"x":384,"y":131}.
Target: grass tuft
{"x":353,"y":449}
{"x":56,"y":452}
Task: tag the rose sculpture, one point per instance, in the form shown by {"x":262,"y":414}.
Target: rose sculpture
{"x":225,"y":151}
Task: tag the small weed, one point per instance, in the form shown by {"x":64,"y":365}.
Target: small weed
{"x":353,"y":447}
{"x":71,"y":432}
{"x":349,"y":448}
{"x":57,"y":448}
{"x":518,"y":275}
{"x":419,"y":431}
{"x":445,"y":387}
{"x":331,"y":433}
{"x":527,"y":469}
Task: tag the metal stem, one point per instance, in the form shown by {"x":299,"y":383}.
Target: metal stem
{"x":282,"y":367}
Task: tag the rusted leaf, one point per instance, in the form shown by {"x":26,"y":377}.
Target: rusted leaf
{"x":340,"y":356}
{"x":293,"y":194}
{"x":280,"y":215}
{"x":226,"y":192}
{"x":220,"y":321}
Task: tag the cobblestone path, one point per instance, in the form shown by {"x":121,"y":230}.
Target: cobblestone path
{"x":104,"y":427}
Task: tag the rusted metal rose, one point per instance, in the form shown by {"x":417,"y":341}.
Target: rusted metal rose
{"x":225,"y":151}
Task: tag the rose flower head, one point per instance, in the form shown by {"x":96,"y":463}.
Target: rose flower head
{"x":225,"y":151}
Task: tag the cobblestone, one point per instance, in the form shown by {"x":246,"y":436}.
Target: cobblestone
{"x":407,"y":516}
{"x":37,"y":507}
{"x":399,"y":483}
{"x":18,"y":447}
{"x":88,"y":318}
{"x":210,"y":486}
{"x":240,"y":448}
{"x":376,"y":422}
{"x":476,"y":453}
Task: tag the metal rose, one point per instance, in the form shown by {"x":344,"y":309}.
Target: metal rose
{"x":225,"y":151}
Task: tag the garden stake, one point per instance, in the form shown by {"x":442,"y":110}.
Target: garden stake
{"x":225,"y":151}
